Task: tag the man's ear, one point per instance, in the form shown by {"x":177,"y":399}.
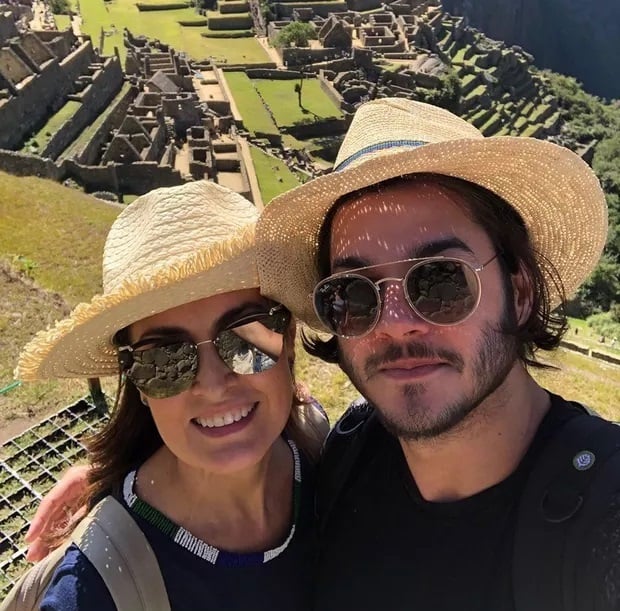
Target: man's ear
{"x":522,"y":291}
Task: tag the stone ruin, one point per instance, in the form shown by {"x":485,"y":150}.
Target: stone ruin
{"x":41,"y":71}
{"x":168,"y":122}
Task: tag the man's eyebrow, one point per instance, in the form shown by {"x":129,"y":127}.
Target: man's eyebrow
{"x":430,"y":249}
{"x":436,"y":247}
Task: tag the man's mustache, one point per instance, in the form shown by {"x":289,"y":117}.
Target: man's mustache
{"x":412,"y":350}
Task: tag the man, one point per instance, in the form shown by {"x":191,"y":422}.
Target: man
{"x":462,"y":484}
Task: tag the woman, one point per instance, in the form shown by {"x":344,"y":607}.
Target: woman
{"x":207,"y":449}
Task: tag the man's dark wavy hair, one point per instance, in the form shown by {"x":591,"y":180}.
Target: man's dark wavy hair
{"x":543,"y":329}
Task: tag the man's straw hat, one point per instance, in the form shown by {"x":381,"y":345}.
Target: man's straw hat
{"x":555,"y":192}
{"x":169,"y":247}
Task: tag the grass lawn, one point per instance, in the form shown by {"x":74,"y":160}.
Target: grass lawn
{"x":282,"y":100}
{"x":255,"y":115}
{"x":54,"y":123}
{"x":273,"y":175}
{"x":114,"y":15}
{"x":63,"y":22}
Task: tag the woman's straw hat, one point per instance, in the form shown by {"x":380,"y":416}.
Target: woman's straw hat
{"x":169,"y":247}
{"x":555,"y":192}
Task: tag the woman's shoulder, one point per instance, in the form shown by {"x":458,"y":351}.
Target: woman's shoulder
{"x":76,"y":585}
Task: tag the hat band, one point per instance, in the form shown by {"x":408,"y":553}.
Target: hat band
{"x":380,"y":146}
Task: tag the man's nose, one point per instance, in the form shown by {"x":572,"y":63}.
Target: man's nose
{"x":397,"y":317}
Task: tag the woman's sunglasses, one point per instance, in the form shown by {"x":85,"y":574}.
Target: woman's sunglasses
{"x":441,"y":290}
{"x":164,"y":368}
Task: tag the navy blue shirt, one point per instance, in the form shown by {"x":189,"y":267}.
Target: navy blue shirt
{"x":282,"y":584}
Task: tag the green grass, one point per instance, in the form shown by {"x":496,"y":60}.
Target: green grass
{"x":163,"y":25}
{"x":255,"y":115}
{"x":273,"y":175}
{"x":63,"y":22}
{"x":283,"y":101}
{"x":41,"y":139}
{"x":50,"y":252}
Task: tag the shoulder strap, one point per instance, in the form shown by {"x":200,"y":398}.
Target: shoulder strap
{"x":564,"y":496}
{"x":28,"y":592}
{"x":341,"y":451}
{"x":118,"y":549}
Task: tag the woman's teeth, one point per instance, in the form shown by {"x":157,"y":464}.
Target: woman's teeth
{"x":224,"y":419}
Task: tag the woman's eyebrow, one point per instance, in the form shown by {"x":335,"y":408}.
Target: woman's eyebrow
{"x":233,"y":315}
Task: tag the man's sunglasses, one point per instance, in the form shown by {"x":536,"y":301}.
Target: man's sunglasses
{"x":441,"y":290}
{"x":162,"y":368}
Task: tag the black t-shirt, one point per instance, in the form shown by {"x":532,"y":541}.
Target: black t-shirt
{"x":386,"y":548}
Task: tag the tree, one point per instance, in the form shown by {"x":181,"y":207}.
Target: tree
{"x":298,"y":33}
{"x":60,"y":7}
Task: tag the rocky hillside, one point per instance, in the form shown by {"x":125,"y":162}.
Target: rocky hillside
{"x":576,"y":37}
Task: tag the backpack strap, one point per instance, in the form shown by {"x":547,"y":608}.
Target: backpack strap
{"x":114,"y":544}
{"x":118,"y":549}
{"x":27,"y":594}
{"x":567,"y":492}
{"x":341,"y":452}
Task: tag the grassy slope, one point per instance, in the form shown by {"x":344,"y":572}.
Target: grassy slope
{"x":55,"y":235}
{"x":273,"y":175}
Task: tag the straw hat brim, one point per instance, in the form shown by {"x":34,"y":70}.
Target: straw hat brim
{"x":553,"y":189}
{"x":81,"y":345}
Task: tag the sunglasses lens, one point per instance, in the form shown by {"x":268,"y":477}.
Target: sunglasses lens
{"x":347,"y":306}
{"x":256,"y":346}
{"x":164,"y":371}
{"x":443,"y":292}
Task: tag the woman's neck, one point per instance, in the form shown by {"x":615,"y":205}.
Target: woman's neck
{"x":245,"y":511}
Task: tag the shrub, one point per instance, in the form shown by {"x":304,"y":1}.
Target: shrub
{"x":604,"y":324}
{"x":296,"y":32}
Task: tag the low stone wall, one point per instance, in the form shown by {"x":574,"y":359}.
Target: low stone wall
{"x":22,"y":164}
{"x":595,"y":354}
{"x":239,"y":21}
{"x":93,"y":178}
{"x":316,"y":129}
{"x":274,"y":75}
{"x":329,"y":90}
{"x":606,"y":357}
{"x":574,"y":347}
{"x":364,"y":5}
{"x":298,"y":56}
{"x":323,"y":9}
{"x":141,"y":177}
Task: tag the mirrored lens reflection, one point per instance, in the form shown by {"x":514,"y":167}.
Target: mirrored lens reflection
{"x":164,"y":371}
{"x":167,"y":370}
{"x":443,"y":292}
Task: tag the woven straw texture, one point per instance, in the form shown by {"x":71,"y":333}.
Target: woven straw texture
{"x":169,"y":247}
{"x":554,"y":190}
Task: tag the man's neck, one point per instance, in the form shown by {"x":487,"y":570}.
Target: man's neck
{"x":485,"y":448}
